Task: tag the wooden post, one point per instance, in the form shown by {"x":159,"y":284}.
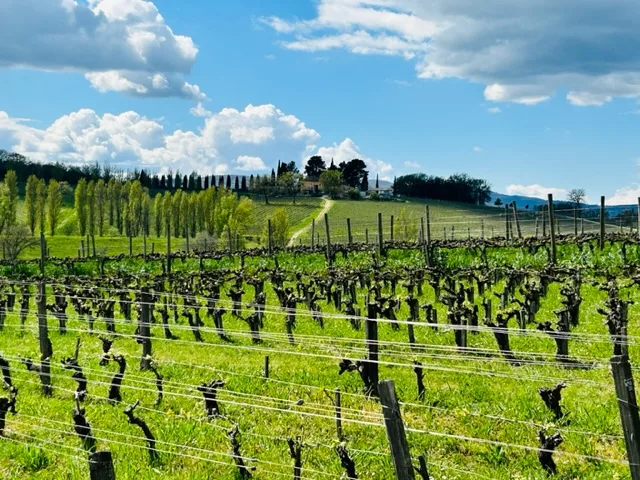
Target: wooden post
{"x":391,"y":229}
{"x":366,"y":236}
{"x":43,"y":253}
{"x":552,"y":229}
{"x":544,"y":224}
{"x":168,"y":251}
{"x":627,"y":403}
{"x":349,"y":238}
{"x":482,"y":229}
{"x":338,"y":405}
{"x":46,"y":349}
{"x":422,"y":238}
{"x":93,"y":243}
{"x":575,"y":222}
{"x":313,"y":233}
{"x":602,"y":213}
{"x":266,"y":366}
{"x":326,"y":227}
{"x":144,"y":245}
{"x":371,"y":332}
{"x":395,"y":431}
{"x":515,"y":217}
{"x":130,"y":246}
{"x":427,"y":248}
{"x":101,"y":466}
{"x":506,"y":221}
{"x":269,"y":237}
{"x":145,"y":329}
{"x":380,"y":239}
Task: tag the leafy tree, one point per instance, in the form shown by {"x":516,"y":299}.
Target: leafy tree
{"x":176,"y":201}
{"x":353,"y":172}
{"x":457,"y":188}
{"x":264,"y":186}
{"x":228,"y":182}
{"x":11,"y":182}
{"x":498,"y":202}
{"x":315,"y":166}
{"x":41,"y":200}
{"x":237,"y":184}
{"x":364,"y":185}
{"x":101,"y":198}
{"x":291,"y":183}
{"x":167,"y":211}
{"x":333,"y":167}
{"x":81,"y":206}
{"x":31,"y":202}
{"x":54,"y":205}
{"x":91,"y":208}
{"x":377,"y":182}
{"x":407,"y":226}
{"x":243,"y":186}
{"x":331,"y":182}
{"x":290,"y":167}
{"x":15,"y":240}
{"x":158,"y":208}
{"x":279,"y":228}
{"x":4,"y":207}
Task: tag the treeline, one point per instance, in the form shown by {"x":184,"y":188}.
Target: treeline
{"x":127,"y":208}
{"x":456,"y":188}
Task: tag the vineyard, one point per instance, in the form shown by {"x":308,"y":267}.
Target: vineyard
{"x":427,"y":357}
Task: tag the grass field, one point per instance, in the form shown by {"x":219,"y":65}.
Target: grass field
{"x":447,"y":219}
{"x":475,"y":396}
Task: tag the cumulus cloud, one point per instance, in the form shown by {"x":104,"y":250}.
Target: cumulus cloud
{"x":348,"y":150}
{"x":537,"y":191}
{"x":229,"y":140}
{"x":625,"y":196}
{"x":120,"y":45}
{"x":522,"y":51}
{"x":494,"y":110}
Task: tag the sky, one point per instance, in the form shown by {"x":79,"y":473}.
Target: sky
{"x":535,"y":96}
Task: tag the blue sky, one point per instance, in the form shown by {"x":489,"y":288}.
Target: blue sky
{"x":533,"y":96}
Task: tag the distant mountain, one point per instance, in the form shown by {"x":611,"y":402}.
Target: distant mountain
{"x":381,"y":183}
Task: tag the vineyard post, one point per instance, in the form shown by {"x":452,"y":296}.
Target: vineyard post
{"x":427,"y":247}
{"x":130,"y":246}
{"x":422,"y":239}
{"x":338,"y":405}
{"x":575,"y":222}
{"x":537,"y":224}
{"x":326,"y":227}
{"x":582,"y":224}
{"x":101,"y":466}
{"x":391,"y":229}
{"x":515,"y":217}
{"x":266,"y":366}
{"x":43,"y":253}
{"x":93,"y":243}
{"x":366,"y":236}
{"x":380,"y":239}
{"x":46,"y":349}
{"x":544,"y":224}
{"x":145,"y":329}
{"x":558,"y":225}
{"x":144,"y":245}
{"x":627,"y":403}
{"x":349,"y":238}
{"x":602,"y":222}
{"x":168,"y":251}
{"x":638,"y":216}
{"x":269,"y":237}
{"x":371,"y":331}
{"x":506,"y":222}
{"x":313,"y":233}
{"x":395,"y":431}
{"x":552,"y":229}
{"x":482,"y":229}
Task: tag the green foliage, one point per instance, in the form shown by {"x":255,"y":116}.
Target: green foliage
{"x":331,"y":182}
{"x":279,"y":228}
{"x":31,"y":202}
{"x":54,"y":205}
{"x":11,"y":182}
{"x":81,"y":206}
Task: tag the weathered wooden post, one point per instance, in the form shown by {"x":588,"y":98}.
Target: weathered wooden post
{"x":269,"y":237}
{"x":427,"y":247}
{"x":46,"y":349}
{"x":602,"y":213}
{"x":506,"y":221}
{"x":515,"y":217}
{"x":266,"y":366}
{"x":349,"y":238}
{"x":101,"y":466}
{"x":575,"y":222}
{"x":552,"y":229}
{"x":366,"y":236}
{"x":380,"y":239}
{"x":627,"y":404}
{"x":326,"y":227}
{"x":313,"y":233}
{"x":130,"y":246}
{"x":371,"y":332}
{"x":395,"y":431}
{"x":144,"y":326}
{"x":43,"y":253}
{"x":391,"y":229}
{"x":338,"y":406}
{"x":482,"y":229}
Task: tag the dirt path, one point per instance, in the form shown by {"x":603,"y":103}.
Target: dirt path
{"x":325,"y":209}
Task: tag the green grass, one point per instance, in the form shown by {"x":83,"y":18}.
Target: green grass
{"x":447,"y":218}
{"x":461,"y":388}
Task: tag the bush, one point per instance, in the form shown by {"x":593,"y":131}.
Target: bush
{"x":354,"y":194}
{"x":374,"y":196}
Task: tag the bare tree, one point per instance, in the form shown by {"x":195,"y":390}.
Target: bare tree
{"x":577,"y":196}
{"x":15,"y":240}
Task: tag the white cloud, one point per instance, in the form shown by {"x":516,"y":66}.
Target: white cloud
{"x":537,"y":191}
{"x":412,"y":165}
{"x":494,"y":110}
{"x":347,"y":150}
{"x":247,"y":163}
{"x":625,"y":196}
{"x":120,"y":45}
{"x":522,"y":51}
{"x":477,"y":149}
{"x":200,"y":111}
{"x":228,"y":140}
